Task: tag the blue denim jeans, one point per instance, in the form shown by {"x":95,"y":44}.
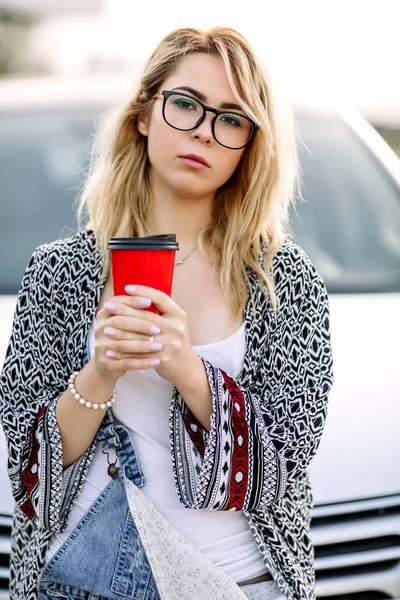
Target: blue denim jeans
{"x":103,"y":557}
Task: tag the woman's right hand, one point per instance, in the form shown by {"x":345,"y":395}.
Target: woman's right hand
{"x":114,"y":327}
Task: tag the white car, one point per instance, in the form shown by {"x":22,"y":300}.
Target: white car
{"x":350,"y":227}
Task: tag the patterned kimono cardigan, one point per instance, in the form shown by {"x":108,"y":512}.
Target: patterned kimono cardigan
{"x":265,"y":426}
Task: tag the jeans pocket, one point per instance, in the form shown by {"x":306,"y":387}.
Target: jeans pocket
{"x":132,"y":575}
{"x":60,"y":594}
{"x":54,"y":595}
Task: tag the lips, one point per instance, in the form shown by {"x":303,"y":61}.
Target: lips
{"x":196,"y":158}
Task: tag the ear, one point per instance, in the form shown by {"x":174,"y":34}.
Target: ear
{"x":142,"y":126}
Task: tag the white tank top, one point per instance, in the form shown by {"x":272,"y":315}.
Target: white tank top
{"x":142,"y":405}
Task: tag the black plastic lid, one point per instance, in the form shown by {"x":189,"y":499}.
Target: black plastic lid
{"x":166,"y":241}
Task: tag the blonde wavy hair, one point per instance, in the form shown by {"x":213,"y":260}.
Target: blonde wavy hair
{"x":250,"y":212}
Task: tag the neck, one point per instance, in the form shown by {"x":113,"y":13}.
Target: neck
{"x":184,"y":216}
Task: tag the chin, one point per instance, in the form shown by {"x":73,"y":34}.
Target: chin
{"x":189,"y":189}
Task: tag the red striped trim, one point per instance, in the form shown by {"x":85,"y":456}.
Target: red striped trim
{"x":195,"y":431}
{"x":240,"y":455}
{"x":28,"y":510}
{"x":30,"y":475}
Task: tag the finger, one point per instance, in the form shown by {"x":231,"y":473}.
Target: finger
{"x":159,"y":299}
{"x":123,"y":305}
{"x":119,"y":348}
{"x":134,"y":363}
{"x":111,"y":332}
{"x":138,"y":302}
{"x":129,"y":327}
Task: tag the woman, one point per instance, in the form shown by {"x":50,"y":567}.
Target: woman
{"x":220,"y":399}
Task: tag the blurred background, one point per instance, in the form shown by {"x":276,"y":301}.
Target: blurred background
{"x":63,"y":62}
{"x":345,"y":49}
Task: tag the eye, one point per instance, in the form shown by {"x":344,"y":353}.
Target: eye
{"x":184,"y":103}
{"x":232,"y":120}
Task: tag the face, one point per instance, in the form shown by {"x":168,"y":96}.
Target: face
{"x":169,"y":148}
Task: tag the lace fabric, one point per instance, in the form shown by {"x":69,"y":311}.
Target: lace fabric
{"x":180,"y":570}
{"x":266,"y":590}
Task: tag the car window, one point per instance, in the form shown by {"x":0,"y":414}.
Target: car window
{"x":349,"y":224}
{"x":43,"y":158}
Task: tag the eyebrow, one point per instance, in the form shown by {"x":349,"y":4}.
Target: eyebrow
{"x":203,"y":98}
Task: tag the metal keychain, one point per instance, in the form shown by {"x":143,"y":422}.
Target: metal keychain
{"x":112,"y":470}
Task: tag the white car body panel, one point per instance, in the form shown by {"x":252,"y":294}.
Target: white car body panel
{"x":359,"y":452}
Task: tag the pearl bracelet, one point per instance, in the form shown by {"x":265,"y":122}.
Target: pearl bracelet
{"x":77,"y":396}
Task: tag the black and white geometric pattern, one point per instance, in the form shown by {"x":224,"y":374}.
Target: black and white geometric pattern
{"x":283,"y":387}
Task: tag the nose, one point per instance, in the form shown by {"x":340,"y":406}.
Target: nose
{"x":203,"y":133}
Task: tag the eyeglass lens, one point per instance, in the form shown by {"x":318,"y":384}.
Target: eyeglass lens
{"x":184,"y":113}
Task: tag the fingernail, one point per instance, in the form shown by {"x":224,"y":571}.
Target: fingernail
{"x":145,"y":302}
{"x":110,"y":331}
{"x":111,"y":354}
{"x":153,"y":362}
{"x":130,"y":289}
{"x":154,"y":329}
{"x":155,"y":346}
{"x":109,"y":306}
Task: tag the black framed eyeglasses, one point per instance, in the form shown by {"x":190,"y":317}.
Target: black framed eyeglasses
{"x":230,"y":129}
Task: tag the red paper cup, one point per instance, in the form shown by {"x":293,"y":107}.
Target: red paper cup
{"x":145,"y":261}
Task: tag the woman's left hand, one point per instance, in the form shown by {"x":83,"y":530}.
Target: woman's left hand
{"x":176,"y":355}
